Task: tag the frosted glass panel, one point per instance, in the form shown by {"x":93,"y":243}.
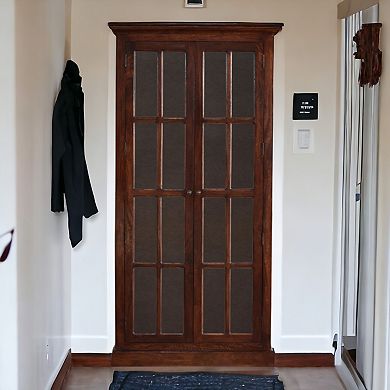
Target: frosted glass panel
{"x":145,"y":229}
{"x":215,"y":84}
{"x":173,"y":230}
{"x":145,"y":300}
{"x":214,"y":230}
{"x":214,"y":156}
{"x":174,"y":156}
{"x":214,"y":301}
{"x":241,"y":301}
{"x":145,"y":155}
{"x":243,"y":84}
{"x":172,"y":300}
{"x":242,"y":156}
{"x":242,"y":230}
{"x":145,"y":83}
{"x":174,"y":65}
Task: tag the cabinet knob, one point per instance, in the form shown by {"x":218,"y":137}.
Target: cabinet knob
{"x":189,"y":192}
{"x":198,"y":192}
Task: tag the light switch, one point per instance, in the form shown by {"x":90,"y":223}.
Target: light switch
{"x":303,"y":140}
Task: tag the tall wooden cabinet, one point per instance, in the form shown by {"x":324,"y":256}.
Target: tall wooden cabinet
{"x":193,"y":192}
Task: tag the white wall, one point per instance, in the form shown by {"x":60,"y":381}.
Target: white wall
{"x":8,"y":279}
{"x":306,"y":61}
{"x":43,"y":254}
{"x":382,"y":307}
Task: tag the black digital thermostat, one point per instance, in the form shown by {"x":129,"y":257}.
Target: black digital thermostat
{"x":305,"y":106}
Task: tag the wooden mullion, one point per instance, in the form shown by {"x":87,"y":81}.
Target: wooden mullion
{"x":198,"y":201}
{"x":189,"y":200}
{"x":229,"y":265}
{"x":228,"y":184}
{"x":162,"y":265}
{"x":159,"y":186}
{"x":210,"y":192}
{"x":129,"y":155}
{"x":156,"y":192}
{"x":258,"y":206}
{"x":227,"y":120}
{"x":158,"y":120}
{"x":237,"y":192}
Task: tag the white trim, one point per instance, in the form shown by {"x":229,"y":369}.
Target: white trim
{"x":347,"y":378}
{"x":53,"y":376}
{"x":305,"y":344}
{"x":277,"y":193}
{"x":350,"y":7}
{"x":338,"y":271}
{"x":111,"y":175}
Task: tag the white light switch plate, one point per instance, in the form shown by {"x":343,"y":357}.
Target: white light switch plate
{"x":303,"y":140}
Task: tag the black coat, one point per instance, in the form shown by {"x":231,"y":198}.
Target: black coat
{"x":69,"y":168}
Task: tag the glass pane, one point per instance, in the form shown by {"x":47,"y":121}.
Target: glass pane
{"x":145,"y":83}
{"x":243,"y":84}
{"x":242,"y":230}
{"x":145,"y":300}
{"x":172,"y":300}
{"x":214,"y":300}
{"x":215,"y":84}
{"x":241,"y":301}
{"x":214,"y":156}
{"x":174,"y":155}
{"x":173,"y":230}
{"x":214,"y":230}
{"x":145,"y":155}
{"x":145,"y":229}
{"x":242,"y":156}
{"x":174,"y":64}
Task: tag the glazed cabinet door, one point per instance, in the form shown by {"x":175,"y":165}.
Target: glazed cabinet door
{"x":228,"y":201}
{"x":159,"y":209}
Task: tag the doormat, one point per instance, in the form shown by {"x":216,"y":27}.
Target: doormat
{"x":136,"y":380}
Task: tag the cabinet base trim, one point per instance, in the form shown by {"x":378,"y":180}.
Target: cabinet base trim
{"x":211,"y":359}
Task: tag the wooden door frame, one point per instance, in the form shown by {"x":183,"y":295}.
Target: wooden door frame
{"x":195,"y":32}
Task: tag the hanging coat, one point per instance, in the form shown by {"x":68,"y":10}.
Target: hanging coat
{"x":69,"y":168}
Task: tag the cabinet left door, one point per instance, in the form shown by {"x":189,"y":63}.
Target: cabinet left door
{"x":158,"y":227}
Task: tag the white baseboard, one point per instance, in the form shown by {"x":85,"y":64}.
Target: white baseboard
{"x":304,"y":344}
{"x":90,"y":344}
{"x":347,"y":378}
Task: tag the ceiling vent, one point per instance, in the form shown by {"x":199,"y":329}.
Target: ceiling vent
{"x":194,"y":3}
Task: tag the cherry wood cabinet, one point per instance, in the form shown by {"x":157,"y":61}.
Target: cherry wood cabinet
{"x":194,"y":186}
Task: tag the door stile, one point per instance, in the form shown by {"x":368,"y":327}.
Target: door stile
{"x":120,"y":197}
{"x":259,"y":194}
{"x":228,"y":186}
{"x":159,"y":158}
{"x":190,"y":191}
{"x":129,"y":200}
{"x":267,"y":185}
{"x":198,"y":202}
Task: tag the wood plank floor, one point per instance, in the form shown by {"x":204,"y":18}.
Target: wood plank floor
{"x":85,"y":378}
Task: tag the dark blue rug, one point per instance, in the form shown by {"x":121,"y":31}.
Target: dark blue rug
{"x":196,"y":380}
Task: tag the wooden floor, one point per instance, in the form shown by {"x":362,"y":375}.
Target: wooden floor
{"x":84,"y":378}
